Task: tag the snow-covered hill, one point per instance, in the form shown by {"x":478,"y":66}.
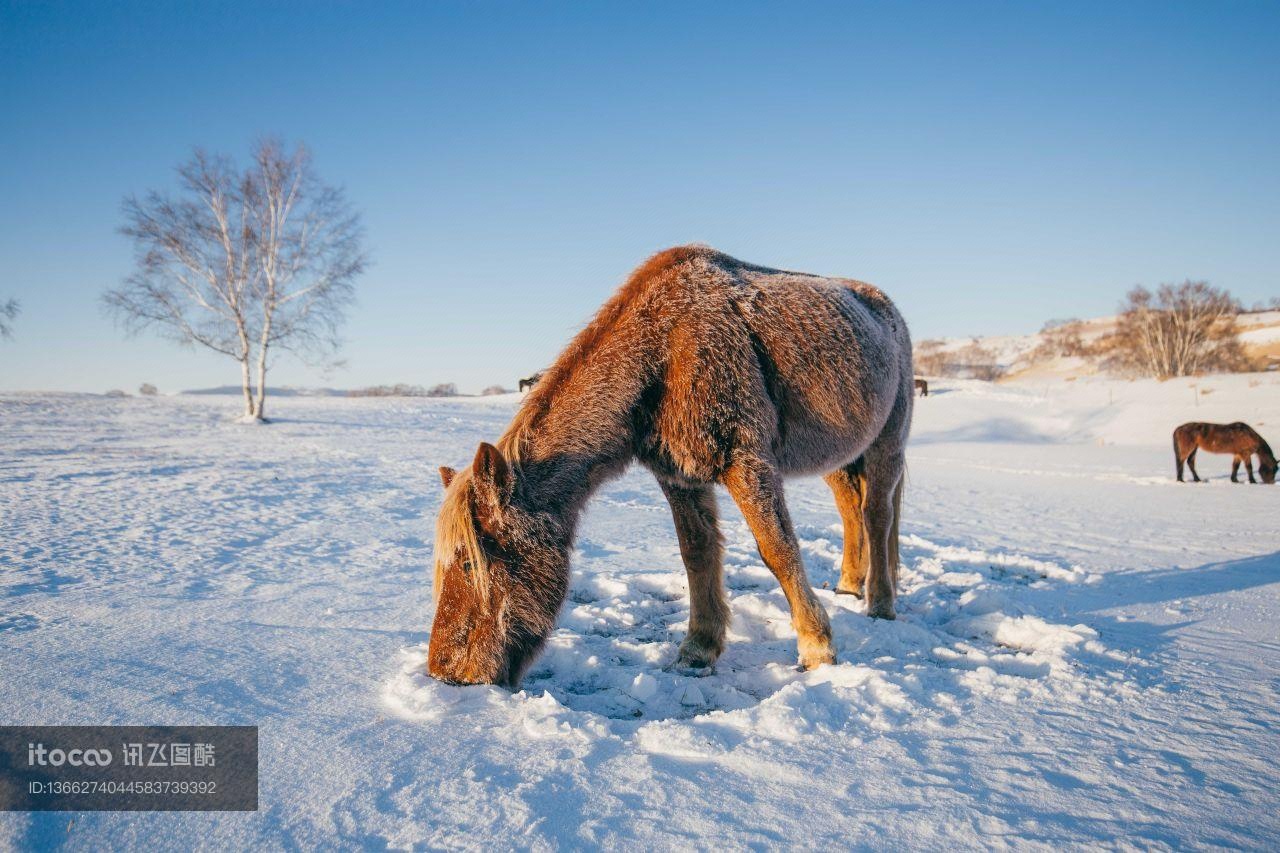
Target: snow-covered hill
{"x":1020,"y":358}
{"x":1086,"y":655}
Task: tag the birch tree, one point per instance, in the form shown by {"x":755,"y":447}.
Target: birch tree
{"x":8,"y":313}
{"x":245,"y":263}
{"x":1179,"y":330}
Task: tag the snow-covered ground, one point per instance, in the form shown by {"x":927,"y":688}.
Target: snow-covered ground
{"x":1086,"y":653}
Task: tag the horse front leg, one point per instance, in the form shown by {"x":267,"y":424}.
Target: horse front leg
{"x":756,"y":487}
{"x":1248,"y":468}
{"x":693,"y":507}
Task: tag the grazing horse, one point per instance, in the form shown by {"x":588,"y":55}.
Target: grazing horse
{"x":922,"y":385}
{"x":1238,"y":439}
{"x":707,"y":370}
{"x":530,"y":381}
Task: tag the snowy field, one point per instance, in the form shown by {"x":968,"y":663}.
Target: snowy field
{"x":1087,"y":653}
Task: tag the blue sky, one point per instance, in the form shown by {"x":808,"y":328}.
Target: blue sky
{"x":990,"y":165}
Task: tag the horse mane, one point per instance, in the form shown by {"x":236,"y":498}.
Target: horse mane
{"x":1264,"y":452}
{"x":515,"y":441}
{"x":456,"y":532}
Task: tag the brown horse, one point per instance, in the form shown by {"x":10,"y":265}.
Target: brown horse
{"x":1238,"y":439}
{"x":530,"y":381}
{"x":706,"y":370}
{"x":922,"y":385}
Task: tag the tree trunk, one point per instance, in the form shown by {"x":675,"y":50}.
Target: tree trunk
{"x":262,"y":380}
{"x":246,"y":388}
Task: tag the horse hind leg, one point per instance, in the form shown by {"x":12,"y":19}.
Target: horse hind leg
{"x":1191,"y":464}
{"x":702,"y":548}
{"x":756,"y":487}
{"x":1235,"y":470}
{"x":848,"y":485}
{"x":881,"y":505}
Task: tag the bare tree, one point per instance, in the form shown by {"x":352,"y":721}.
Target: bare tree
{"x":1179,"y":330}
{"x":244,"y":262}
{"x":493,"y":390}
{"x":9,"y":312}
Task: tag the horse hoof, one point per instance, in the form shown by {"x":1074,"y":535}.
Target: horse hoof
{"x":694,"y":659}
{"x":693,"y":667}
{"x":856,"y":593}
{"x":815,"y":655}
{"x":698,"y":670}
{"x":885,"y":612}
{"x":814,"y":663}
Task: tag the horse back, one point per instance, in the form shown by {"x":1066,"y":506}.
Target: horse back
{"x":808,"y":370}
{"x":1236,"y":438}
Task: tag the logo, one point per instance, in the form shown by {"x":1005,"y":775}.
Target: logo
{"x":38,"y":756}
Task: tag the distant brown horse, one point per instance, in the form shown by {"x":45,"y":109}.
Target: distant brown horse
{"x":1238,"y":439}
{"x":706,"y":370}
{"x":530,"y":381}
{"x":922,"y":385}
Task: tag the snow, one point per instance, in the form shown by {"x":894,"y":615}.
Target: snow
{"x":1087,"y":653}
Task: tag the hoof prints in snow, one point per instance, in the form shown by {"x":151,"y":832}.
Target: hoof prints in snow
{"x":966,"y":627}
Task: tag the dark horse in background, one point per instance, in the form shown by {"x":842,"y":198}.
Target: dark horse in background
{"x":1238,"y":439}
{"x":922,"y":385}
{"x":530,"y":381}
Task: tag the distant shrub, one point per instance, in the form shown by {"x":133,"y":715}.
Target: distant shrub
{"x":444,"y":389}
{"x":494,"y":390}
{"x":930,"y":357}
{"x":116,"y":392}
{"x":972,"y":361}
{"x":146,"y":389}
{"x":1061,"y":338}
{"x":975,"y":362}
{"x":400,"y":390}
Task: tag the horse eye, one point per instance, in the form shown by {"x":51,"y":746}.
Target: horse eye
{"x":466,"y":566}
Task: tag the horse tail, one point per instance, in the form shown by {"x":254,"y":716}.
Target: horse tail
{"x":893,"y":529}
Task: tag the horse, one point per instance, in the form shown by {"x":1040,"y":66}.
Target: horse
{"x":530,"y":381}
{"x":922,"y":385}
{"x":706,"y":370}
{"x":1238,"y":438}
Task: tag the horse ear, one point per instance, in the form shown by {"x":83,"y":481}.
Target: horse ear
{"x":446,"y":475}
{"x":491,"y":478}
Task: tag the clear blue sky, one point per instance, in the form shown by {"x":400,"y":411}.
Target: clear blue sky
{"x":990,"y":165}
